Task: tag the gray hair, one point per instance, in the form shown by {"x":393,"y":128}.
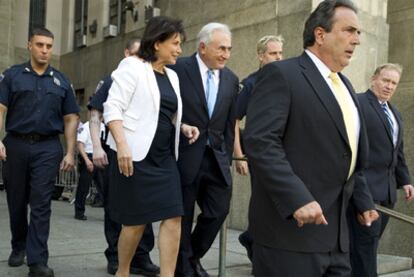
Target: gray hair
{"x":390,"y":66}
{"x":207,"y":31}
{"x":261,"y":45}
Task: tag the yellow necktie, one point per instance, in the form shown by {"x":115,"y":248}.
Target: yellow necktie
{"x":346,"y":107}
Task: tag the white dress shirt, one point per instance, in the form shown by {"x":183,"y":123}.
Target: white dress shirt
{"x":325,"y":71}
{"x":204,"y":71}
{"x":84,"y":136}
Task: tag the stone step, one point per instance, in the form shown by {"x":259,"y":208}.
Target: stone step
{"x":407,"y":273}
{"x":393,"y":264}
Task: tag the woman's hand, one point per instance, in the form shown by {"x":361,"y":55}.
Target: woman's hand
{"x":190,"y":132}
{"x":124,"y":156}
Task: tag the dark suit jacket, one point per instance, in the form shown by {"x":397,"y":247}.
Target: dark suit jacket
{"x":387,"y":169}
{"x":219,"y":129}
{"x":298,"y":150}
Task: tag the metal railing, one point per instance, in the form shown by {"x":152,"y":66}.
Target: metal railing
{"x":394,"y":214}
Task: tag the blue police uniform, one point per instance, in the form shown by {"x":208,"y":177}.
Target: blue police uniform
{"x":112,"y":228}
{"x":244,"y":95}
{"x":101,"y":94}
{"x":35,"y":105}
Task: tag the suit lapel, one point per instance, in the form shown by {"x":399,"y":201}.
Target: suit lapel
{"x":377,"y":107}
{"x":193,"y":73}
{"x":324,"y":93}
{"x":399,"y":122}
{"x":220,"y":91}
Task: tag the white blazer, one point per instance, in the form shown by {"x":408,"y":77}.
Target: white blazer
{"x":134,"y":98}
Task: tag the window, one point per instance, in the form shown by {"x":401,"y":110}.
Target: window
{"x":81,"y":19}
{"x":117,"y":14}
{"x":37,"y":14}
{"x":80,"y":96}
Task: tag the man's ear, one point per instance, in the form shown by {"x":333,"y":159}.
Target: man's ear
{"x":319,"y":34}
{"x":260,"y":57}
{"x":202,"y":47}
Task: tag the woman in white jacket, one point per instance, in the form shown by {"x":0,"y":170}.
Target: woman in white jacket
{"x":143,"y":112}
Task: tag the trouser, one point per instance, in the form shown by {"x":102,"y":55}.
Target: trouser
{"x":364,"y":242}
{"x":212,"y":194}
{"x":277,"y":262}
{"x":84,"y":183}
{"x":29,"y":175}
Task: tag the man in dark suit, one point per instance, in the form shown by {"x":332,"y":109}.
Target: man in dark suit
{"x":305,"y":140}
{"x":208,"y":91}
{"x":269,"y":49}
{"x":386,"y":170}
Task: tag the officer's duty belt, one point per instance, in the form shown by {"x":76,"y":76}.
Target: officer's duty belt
{"x":33,"y":137}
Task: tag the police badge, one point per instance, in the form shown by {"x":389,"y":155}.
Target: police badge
{"x":56,"y":81}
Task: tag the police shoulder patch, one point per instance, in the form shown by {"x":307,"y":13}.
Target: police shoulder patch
{"x":73,"y":89}
{"x":100,"y":84}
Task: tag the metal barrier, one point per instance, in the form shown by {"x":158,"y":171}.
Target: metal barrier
{"x":68,"y":180}
{"x":395,"y":214}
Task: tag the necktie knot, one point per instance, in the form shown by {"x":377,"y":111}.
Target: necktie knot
{"x":334,"y":77}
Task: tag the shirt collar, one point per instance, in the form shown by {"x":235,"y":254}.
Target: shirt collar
{"x":28,"y":68}
{"x":203,"y":67}
{"x":383,"y":102}
{"x":323,"y":69}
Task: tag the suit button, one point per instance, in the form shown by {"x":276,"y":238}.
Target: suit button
{"x":345,"y":155}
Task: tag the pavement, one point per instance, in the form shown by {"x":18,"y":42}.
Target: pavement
{"x":76,"y":247}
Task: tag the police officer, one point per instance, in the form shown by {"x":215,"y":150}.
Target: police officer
{"x":269,"y":49}
{"x":87,"y":171}
{"x":141,"y":262}
{"x":40,"y":105}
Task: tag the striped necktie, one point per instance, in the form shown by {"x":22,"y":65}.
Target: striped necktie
{"x":389,"y":119}
{"x":350,"y":124}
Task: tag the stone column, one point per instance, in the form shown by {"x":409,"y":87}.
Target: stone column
{"x":7,"y":33}
{"x":397,"y":239}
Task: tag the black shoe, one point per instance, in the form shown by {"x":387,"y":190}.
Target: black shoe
{"x":246,"y":244}
{"x":16,"y":258}
{"x":147,"y":269}
{"x":40,"y":271}
{"x":199,"y":271}
{"x":80,"y":217}
{"x":111,"y":268}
